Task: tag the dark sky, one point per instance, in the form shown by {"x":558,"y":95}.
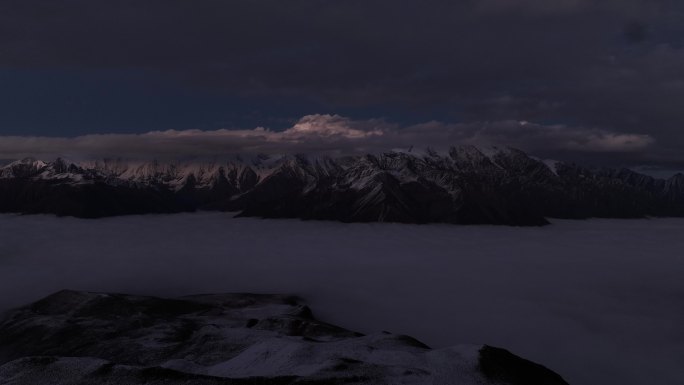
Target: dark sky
{"x":588,"y":79}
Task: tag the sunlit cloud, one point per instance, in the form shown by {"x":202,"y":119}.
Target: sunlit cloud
{"x":325,"y":134}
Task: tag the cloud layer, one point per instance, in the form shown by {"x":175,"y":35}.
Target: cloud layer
{"x":612,"y":63}
{"x":598,"y":301}
{"x":329,"y":134}
{"x":611,"y":70}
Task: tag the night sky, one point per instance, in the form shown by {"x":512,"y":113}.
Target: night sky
{"x":597,"y":82}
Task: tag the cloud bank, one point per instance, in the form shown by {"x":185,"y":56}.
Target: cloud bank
{"x":610,"y":71}
{"x":598,"y":301}
{"x":331,"y":134}
{"x":613,"y":64}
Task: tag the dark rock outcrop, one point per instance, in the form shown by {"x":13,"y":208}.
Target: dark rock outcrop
{"x":84,"y":338}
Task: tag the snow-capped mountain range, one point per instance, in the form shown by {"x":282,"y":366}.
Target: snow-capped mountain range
{"x":464,"y":185}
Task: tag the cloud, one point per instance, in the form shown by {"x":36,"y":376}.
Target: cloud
{"x":335,"y":126}
{"x":542,"y":6}
{"x":610,"y":311}
{"x":606,"y":67}
{"x":327,"y":134}
{"x":561,"y":137}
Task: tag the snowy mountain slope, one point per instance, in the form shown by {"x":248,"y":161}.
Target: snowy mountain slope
{"x":465,"y":185}
{"x":78,"y":337}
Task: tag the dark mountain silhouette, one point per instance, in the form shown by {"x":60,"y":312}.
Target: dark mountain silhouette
{"x":464,"y":186}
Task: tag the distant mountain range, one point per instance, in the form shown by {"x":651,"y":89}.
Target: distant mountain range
{"x":467,"y":185}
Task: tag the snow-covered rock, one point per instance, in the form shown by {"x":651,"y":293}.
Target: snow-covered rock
{"x":81,"y":338}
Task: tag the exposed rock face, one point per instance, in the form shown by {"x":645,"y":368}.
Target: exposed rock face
{"x":85,"y":338}
{"x":466,"y":185}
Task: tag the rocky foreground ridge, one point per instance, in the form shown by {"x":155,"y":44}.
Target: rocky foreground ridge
{"x":74,"y":338}
{"x":467,"y":185}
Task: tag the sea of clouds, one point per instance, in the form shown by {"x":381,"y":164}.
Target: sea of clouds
{"x":598,"y":301}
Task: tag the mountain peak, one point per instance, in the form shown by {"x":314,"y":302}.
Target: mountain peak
{"x":467,"y":184}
